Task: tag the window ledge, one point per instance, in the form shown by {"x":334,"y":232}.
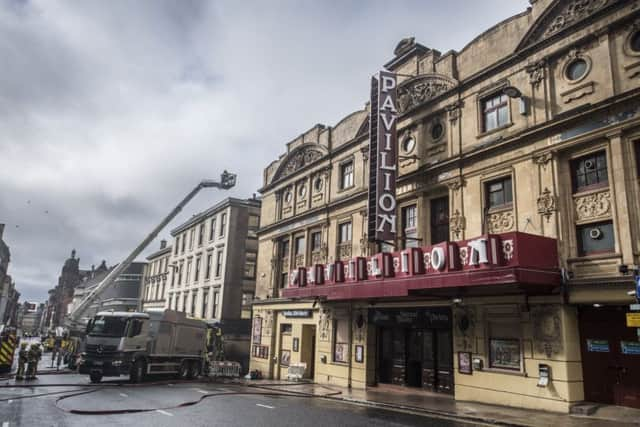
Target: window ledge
{"x":494,"y":131}
{"x":504,"y":371}
{"x":345,"y":189}
{"x":591,"y":190}
{"x":595,"y":257}
{"x":500,"y":208}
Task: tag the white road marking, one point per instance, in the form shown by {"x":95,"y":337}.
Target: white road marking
{"x":10,"y":401}
{"x":124,"y":395}
{"x":200,"y":390}
{"x":224,"y":390}
{"x":265,"y":406}
{"x":164,"y":412}
{"x":5,"y":424}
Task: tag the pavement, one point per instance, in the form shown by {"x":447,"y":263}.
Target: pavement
{"x":418,"y":401}
{"x":65,"y":398}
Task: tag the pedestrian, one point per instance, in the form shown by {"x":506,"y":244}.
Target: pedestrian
{"x":32,"y":361}
{"x":22,"y":361}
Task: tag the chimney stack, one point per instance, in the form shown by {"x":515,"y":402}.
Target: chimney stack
{"x":163,"y":244}
{"x":1,"y":230}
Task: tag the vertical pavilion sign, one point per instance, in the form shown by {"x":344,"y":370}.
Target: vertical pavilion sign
{"x":382,"y":158}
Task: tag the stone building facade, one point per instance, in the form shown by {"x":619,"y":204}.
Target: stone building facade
{"x":518,"y":228}
{"x":214,"y":262}
{"x":155,"y":278}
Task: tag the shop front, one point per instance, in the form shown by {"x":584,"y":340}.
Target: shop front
{"x":610,"y":354}
{"x":414,"y":347}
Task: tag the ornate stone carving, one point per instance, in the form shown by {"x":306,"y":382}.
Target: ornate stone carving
{"x":546,"y":203}
{"x":297,"y":160}
{"x":421,"y":89}
{"x":344,"y":250}
{"x":500,"y":222}
{"x":325,"y":324}
{"x":541,"y":159}
{"x":456,"y":184}
{"x":536,"y":73}
{"x":359,"y":325}
{"x":457,"y":224}
{"x":593,"y":206}
{"x":547,"y":329}
{"x":299,"y":260}
{"x":566,"y":14}
{"x":465,"y":328}
{"x":454,"y":111}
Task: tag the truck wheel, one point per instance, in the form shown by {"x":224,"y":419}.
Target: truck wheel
{"x":95,"y":377}
{"x":193,"y":370}
{"x":183,"y":373}
{"x":137,"y":371}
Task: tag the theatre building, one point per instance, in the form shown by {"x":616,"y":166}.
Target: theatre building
{"x":512,"y":187}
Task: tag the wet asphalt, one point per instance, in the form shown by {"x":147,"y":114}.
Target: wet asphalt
{"x":165,"y":402}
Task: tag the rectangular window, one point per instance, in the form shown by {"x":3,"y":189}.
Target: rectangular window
{"x":499,"y":193}
{"x":250,"y":269}
{"x":439,"y":220}
{"x":184,"y":302}
{"x":340,"y":340}
{"x":194,"y":297}
{"x":212,"y":230}
{"x":316,"y":241}
{"x":285,"y":329}
{"x":197,"y":274}
{"x":192,"y":234}
{"x":590,"y":172}
{"x":173,"y":277}
{"x":409,"y":221}
{"x":344,"y":232}
{"x":223,"y":224}
{"x":284,"y":279}
{"x":346,"y":175}
{"x":595,"y":238}
{"x":219,"y":262}
{"x":205,"y":303}
{"x":215,"y":304}
{"x":300,"y":245}
{"x":495,"y":111}
{"x":184,"y":242}
{"x":180,"y":273}
{"x":247,"y":298}
{"x":284,"y":249}
{"x":505,"y":350}
{"x":175,"y":252}
{"x":254,"y":222}
{"x":200,"y":234}
{"x":207,"y":273}
{"x":187,"y":278}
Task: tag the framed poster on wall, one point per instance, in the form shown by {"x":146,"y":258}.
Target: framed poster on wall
{"x":464,"y":363}
{"x":504,"y":354}
{"x":296,"y":344}
{"x":359,"y":353}
{"x":285,"y":357}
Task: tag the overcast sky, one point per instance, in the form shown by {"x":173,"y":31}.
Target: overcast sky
{"x":111,"y":111}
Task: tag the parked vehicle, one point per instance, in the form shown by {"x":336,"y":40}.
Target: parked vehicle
{"x":8,"y":344}
{"x":137,"y":344}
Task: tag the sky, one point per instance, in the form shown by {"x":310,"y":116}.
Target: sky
{"x":112,"y":111}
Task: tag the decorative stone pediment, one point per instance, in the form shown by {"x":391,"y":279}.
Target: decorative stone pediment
{"x":298,"y":159}
{"x":420,"y":89}
{"x":563,"y":14}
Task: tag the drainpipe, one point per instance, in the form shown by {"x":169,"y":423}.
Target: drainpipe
{"x":350,"y":343}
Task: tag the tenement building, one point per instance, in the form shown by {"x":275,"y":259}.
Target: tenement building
{"x":155,"y":278}
{"x":213,"y":274}
{"x":514,"y":214}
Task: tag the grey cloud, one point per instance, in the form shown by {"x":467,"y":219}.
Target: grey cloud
{"x":110,"y":112}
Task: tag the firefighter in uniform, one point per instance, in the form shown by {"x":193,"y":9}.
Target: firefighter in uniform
{"x":22,"y":361}
{"x":32,"y":361}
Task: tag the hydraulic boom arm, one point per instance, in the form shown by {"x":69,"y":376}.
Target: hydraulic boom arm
{"x":227,"y":181}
